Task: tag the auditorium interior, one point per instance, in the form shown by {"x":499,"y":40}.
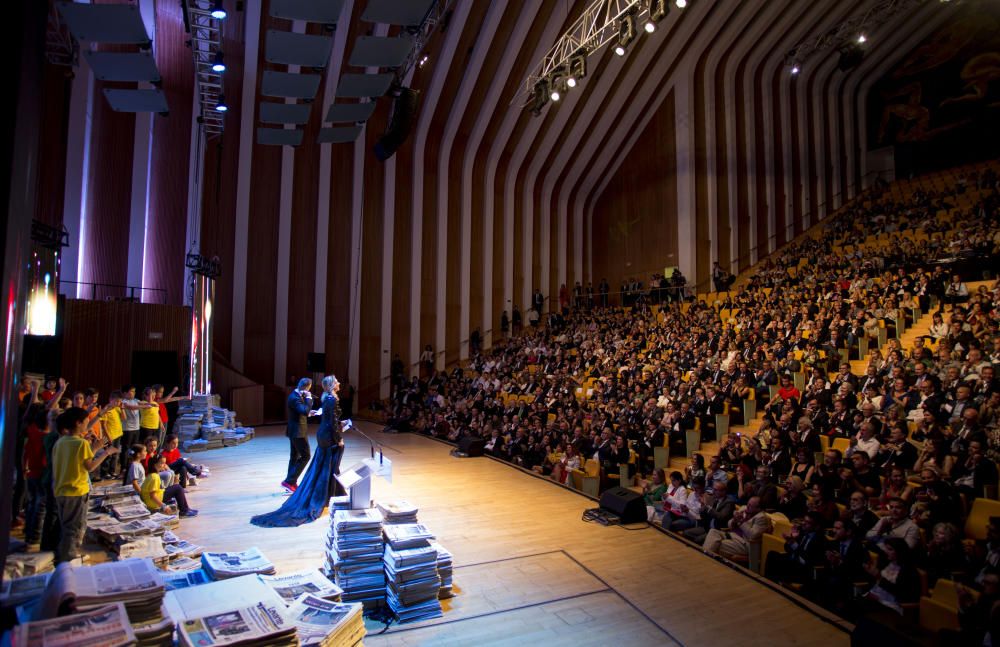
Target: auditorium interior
{"x":674,"y":321}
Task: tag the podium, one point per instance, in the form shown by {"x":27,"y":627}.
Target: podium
{"x":357,"y":480}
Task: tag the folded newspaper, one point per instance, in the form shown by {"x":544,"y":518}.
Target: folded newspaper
{"x":263,"y":624}
{"x":221,"y":566}
{"x":106,"y":626}
{"x":17,"y":590}
{"x":323,"y":623}
{"x":294,"y":585}
{"x":185,"y":579}
{"x":407,"y":535}
{"x":398,"y":511}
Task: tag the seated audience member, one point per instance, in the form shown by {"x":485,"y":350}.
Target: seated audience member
{"x":896,"y":524}
{"x":821,"y":502}
{"x":761,"y":487}
{"x":844,"y":562}
{"x":157,"y":498}
{"x":715,"y":514}
{"x":975,"y":472}
{"x":804,"y":551}
{"x":897,"y":583}
{"x":745,"y":528}
{"x":944,"y":556}
{"x":688,"y":513}
{"x":792,"y":503}
{"x":897,"y":451}
{"x":896,"y":487}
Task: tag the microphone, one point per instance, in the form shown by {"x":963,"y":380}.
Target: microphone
{"x":349,"y":424}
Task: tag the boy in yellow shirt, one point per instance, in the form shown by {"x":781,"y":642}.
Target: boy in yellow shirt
{"x":73,"y":459}
{"x":156,"y":497}
{"x":112,"y":421}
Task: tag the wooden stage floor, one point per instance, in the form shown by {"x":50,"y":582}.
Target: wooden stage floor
{"x":528,"y":571}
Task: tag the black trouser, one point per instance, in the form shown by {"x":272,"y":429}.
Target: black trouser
{"x":298,"y":458}
{"x":338,"y":455}
{"x":129,"y":437}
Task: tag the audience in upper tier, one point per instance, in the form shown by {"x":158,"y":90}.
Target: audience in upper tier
{"x":870,"y":473}
{"x":70,"y":441}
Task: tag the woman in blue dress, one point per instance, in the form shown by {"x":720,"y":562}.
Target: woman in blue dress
{"x":315,"y":489}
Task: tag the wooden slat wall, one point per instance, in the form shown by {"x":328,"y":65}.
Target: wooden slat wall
{"x":99,"y":338}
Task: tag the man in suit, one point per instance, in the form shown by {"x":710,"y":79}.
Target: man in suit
{"x":714,"y":516}
{"x":298,"y":406}
{"x":746,"y":527}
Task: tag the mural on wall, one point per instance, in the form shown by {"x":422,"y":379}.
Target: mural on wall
{"x":941,"y":103}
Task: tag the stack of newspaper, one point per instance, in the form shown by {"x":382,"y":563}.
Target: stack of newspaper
{"x":183,"y":548}
{"x":224,"y":418}
{"x":263,"y":624}
{"x":201,"y":404}
{"x":407,"y":535}
{"x":25,"y":564}
{"x":413,"y":581}
{"x":221,"y":566}
{"x":322,"y":623}
{"x":188,"y":426}
{"x":155,"y":633}
{"x":444,"y":567}
{"x":354,"y":555}
{"x":16,"y":590}
{"x":148,"y":547}
{"x":339,"y":503}
{"x":134,"y":582}
{"x":398,"y":512}
{"x":107,"y":626}
{"x":185,"y":579}
{"x":294,"y":585}
{"x":103,"y":496}
{"x":129,"y":509}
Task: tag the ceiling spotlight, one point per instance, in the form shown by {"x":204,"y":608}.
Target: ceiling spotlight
{"x":220,"y":105}
{"x":571,"y":82}
{"x":650,"y":27}
{"x":423,"y":61}
{"x":681,"y":4}
{"x":577,"y":67}
{"x":620,"y":50}
{"x":218,"y":65}
{"x":657,"y":10}
{"x":861,"y":39}
{"x":555,"y":96}
{"x":626,"y":31}
{"x":218,"y":11}
{"x":540,"y":96}
{"x":795,"y":70}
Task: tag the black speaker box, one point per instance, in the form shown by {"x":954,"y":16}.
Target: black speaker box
{"x":316,"y":362}
{"x":472,"y":446}
{"x":404,"y":116}
{"x":625,"y":504}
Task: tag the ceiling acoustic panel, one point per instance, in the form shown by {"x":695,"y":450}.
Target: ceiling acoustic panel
{"x":323,"y":11}
{"x":279,"y":137}
{"x":284,"y":113}
{"x":286,"y":84}
{"x":136,"y":100}
{"x":338,"y":135}
{"x":104,"y":23}
{"x":364,"y":85}
{"x":397,"y":12}
{"x":290,"y":48}
{"x":350,"y":112}
{"x":376,"y":51}
{"x":123,"y":66}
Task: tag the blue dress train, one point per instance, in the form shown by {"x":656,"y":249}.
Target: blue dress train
{"x":318,"y":485}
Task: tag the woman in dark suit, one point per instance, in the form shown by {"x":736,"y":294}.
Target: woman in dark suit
{"x":313,"y":494}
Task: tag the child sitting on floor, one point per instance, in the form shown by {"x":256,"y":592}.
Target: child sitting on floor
{"x":156,"y":497}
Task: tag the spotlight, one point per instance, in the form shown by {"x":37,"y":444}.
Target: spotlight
{"x":218,"y":64}
{"x":218,"y":11}
{"x":577,"y":67}
{"x":571,"y":82}
{"x":681,"y":4}
{"x":220,"y":105}
{"x":626,"y":31}
{"x":650,"y":27}
{"x":423,"y":61}
{"x":795,"y":70}
{"x":657,"y":10}
{"x":861,"y":39}
{"x":555,"y":96}
{"x":540,"y":96}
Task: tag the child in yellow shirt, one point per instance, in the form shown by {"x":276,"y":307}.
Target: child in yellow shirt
{"x":156,"y":497}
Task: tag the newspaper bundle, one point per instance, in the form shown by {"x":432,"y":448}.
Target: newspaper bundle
{"x":183,"y":548}
{"x":21,"y":589}
{"x":354,"y":555}
{"x":25,"y":564}
{"x":294,"y":585}
{"x":134,"y":582}
{"x":444,"y":566}
{"x":107,"y":626}
{"x":398,"y":512}
{"x":222,"y":566}
{"x":322,"y":623}
{"x":146,"y":547}
{"x":263,"y":624}
{"x":130,"y":509}
{"x":407,"y":535}
{"x":412,"y":580}
{"x":185,"y":579}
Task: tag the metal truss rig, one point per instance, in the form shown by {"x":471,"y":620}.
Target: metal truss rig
{"x":595,"y":28}
{"x":205,"y":41}
{"x":438,"y":15}
{"x":848,"y":31}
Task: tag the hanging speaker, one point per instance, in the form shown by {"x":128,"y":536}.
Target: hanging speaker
{"x":404,"y":114}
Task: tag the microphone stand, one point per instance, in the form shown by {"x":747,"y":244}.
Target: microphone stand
{"x":350,"y":425}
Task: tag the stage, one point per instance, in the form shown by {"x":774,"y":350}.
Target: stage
{"x":527,"y":569}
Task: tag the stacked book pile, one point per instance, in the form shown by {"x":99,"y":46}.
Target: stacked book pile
{"x":398,"y":512}
{"x":444,"y":566}
{"x":221,"y":566}
{"x":411,"y":572}
{"x":354,"y":555}
{"x":294,"y":585}
{"x":324,"y":623}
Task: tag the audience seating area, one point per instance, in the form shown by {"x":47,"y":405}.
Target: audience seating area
{"x":831,"y":422}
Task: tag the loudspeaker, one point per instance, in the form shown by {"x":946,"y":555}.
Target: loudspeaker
{"x":404,"y":115}
{"x":472,"y":446}
{"x":316,"y":362}
{"x":624,"y":503}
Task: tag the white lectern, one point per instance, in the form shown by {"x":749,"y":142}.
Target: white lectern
{"x":357,"y":480}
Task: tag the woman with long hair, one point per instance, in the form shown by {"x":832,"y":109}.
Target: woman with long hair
{"x":313,"y":494}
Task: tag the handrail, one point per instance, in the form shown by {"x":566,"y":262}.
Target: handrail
{"x":130,"y":289}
